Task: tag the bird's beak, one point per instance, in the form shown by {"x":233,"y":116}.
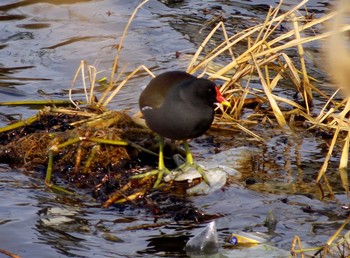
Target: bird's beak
{"x":221,"y":98}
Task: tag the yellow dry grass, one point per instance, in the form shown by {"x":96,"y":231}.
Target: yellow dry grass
{"x":267,"y":56}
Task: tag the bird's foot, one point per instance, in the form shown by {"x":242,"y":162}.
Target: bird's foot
{"x":159,"y":172}
{"x":187,"y":165}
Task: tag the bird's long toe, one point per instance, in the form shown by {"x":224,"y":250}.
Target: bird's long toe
{"x":185,"y":166}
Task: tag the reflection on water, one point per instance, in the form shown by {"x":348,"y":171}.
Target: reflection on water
{"x":44,"y":42}
{"x":41,"y":45}
{"x":16,"y":5}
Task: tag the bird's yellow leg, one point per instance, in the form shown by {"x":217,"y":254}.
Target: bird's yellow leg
{"x":189,"y":158}
{"x":190,"y":162}
{"x":161,"y":166}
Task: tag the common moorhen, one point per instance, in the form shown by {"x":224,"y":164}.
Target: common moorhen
{"x":179,"y":106}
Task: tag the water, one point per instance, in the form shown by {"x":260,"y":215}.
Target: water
{"x":41,"y":46}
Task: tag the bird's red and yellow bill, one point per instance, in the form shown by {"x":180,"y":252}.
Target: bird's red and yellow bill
{"x":221,"y":98}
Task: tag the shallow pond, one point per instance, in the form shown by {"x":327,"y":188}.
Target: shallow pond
{"x":41,"y":46}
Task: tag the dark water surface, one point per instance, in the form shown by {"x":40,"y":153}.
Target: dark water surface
{"x":41,"y":46}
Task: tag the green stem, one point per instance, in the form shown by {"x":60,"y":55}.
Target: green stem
{"x":36,"y":102}
{"x":111,"y":142}
{"x":67,"y":143}
{"x":49,"y":168}
{"x":28,"y":121}
{"x":91,"y":157}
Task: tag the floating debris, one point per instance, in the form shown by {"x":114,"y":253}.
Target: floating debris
{"x":205,"y":242}
{"x":245,"y":238}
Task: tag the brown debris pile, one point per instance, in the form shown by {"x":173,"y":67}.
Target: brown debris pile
{"x":89,"y":149}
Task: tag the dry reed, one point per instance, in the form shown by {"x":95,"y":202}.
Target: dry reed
{"x":267,"y":55}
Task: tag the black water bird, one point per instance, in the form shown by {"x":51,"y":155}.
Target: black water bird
{"x":179,"y":106}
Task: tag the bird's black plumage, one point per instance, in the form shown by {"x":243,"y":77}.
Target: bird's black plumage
{"x":178,"y":106}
